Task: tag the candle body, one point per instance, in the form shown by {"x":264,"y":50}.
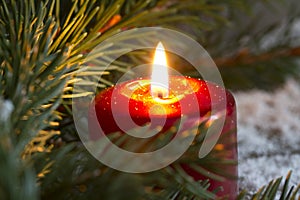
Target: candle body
{"x":228,"y":145}
{"x":134,"y":98}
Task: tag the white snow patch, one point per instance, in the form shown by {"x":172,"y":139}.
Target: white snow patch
{"x":6,"y":108}
{"x":268,"y":135}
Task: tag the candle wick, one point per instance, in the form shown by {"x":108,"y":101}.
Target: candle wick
{"x":160,"y":95}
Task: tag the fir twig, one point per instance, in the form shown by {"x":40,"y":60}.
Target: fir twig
{"x":272,"y":191}
{"x":244,"y":57}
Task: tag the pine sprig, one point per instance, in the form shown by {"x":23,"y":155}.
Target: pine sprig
{"x":32,"y":84}
{"x":272,"y":191}
{"x":84,"y":177}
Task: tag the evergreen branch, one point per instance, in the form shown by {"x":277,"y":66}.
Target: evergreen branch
{"x":171,"y":181}
{"x":272,"y":191}
{"x":32,"y":84}
{"x":244,"y":57}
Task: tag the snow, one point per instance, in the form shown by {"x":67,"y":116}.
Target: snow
{"x":6,"y":108}
{"x":268,"y":135}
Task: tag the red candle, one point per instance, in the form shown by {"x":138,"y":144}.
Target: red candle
{"x":143,"y":101}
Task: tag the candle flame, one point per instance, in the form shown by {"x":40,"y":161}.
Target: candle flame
{"x":160,"y":77}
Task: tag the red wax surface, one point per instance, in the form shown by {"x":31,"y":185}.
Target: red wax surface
{"x":187,"y":95}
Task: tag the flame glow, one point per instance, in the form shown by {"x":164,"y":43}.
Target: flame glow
{"x":160,"y":77}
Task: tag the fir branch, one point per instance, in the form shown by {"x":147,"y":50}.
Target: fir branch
{"x":272,"y":191}
{"x":31,"y":81}
{"x":244,"y":57}
{"x":83,"y":177}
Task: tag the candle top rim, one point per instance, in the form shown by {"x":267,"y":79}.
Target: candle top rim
{"x":113,"y":96}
